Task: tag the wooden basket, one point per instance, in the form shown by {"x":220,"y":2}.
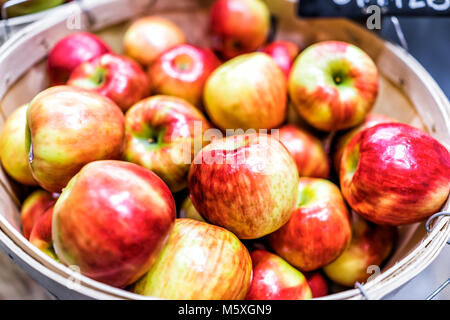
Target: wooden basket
{"x":407,"y":93}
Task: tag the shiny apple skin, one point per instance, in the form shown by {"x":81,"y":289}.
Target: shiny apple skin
{"x":275,"y":279}
{"x":159,"y":130}
{"x":199,"y":262}
{"x":247,"y":92}
{"x":13,"y":151}
{"x":41,"y":235}
{"x":317,"y":283}
{"x":238,"y":26}
{"x":307,"y":151}
{"x":327,"y":104}
{"x":150,"y":36}
{"x":188,"y":210}
{"x":371,"y":244}
{"x":342,"y":141}
{"x":33,"y":208}
{"x":182,"y":72}
{"x":71,"y":51}
{"x":395,"y":174}
{"x":69,"y":127}
{"x":244,"y":183}
{"x":112,"y":220}
{"x":284,"y":53}
{"x":116,"y":77}
{"x":319,"y":228}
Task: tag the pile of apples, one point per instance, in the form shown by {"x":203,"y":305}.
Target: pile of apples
{"x":117,"y":138}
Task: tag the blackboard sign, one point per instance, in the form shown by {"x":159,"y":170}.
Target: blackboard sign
{"x":363,"y":8}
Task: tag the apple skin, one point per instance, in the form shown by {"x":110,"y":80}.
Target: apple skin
{"x":148,"y":37}
{"x":33,"y":208}
{"x":199,"y":262}
{"x":395,"y":174}
{"x":41,"y":235}
{"x":13,"y":152}
{"x":319,"y":229}
{"x":307,"y":151}
{"x":275,"y":279}
{"x":284,"y":53}
{"x":342,"y":141}
{"x":188,"y":210}
{"x":247,"y":92}
{"x":317,"y":283}
{"x":112,"y":220}
{"x":182,"y":72}
{"x":238,"y":26}
{"x":159,"y":131}
{"x":333,"y":85}
{"x":71,"y":51}
{"x":116,"y":77}
{"x":67,"y":128}
{"x":244,"y":183}
{"x":371,"y":244}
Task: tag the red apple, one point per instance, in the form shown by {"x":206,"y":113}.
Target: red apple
{"x":275,"y":279}
{"x":244,"y":183}
{"x":182,"y":72}
{"x":161,"y":132}
{"x":319,"y":228}
{"x":116,"y":77}
{"x":317,"y":283}
{"x":307,"y":151}
{"x":148,"y":37}
{"x":342,"y":141}
{"x":41,"y":235}
{"x":333,"y":85}
{"x":199,"y":262}
{"x":67,"y":128}
{"x":395,"y":174}
{"x":239,"y":26}
{"x":71,"y":51}
{"x":247,"y":92}
{"x":284,"y":53}
{"x":112,"y":220}
{"x":13,"y":153}
{"x":371,"y":244}
{"x":33,"y":208}
{"x":188,"y":210}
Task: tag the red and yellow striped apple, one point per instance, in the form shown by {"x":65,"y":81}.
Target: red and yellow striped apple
{"x":284,"y":53}
{"x":319,"y":228}
{"x":33,"y":208}
{"x":333,"y":85}
{"x":199,"y":262}
{"x":41,"y":235}
{"x":395,"y":174}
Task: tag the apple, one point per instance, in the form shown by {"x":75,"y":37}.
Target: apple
{"x":69,"y":127}
{"x":33,"y":208}
{"x":307,"y":151}
{"x":395,"y":174}
{"x":188,"y":210}
{"x":161,"y":134}
{"x":199,"y":262}
{"x":333,"y":85}
{"x":116,"y":77}
{"x":319,"y":229}
{"x":317,"y":283}
{"x":371,"y":244}
{"x":239,"y":26}
{"x":247,"y":92}
{"x":41,"y":235}
{"x":342,"y":140}
{"x":244,"y":183}
{"x":112,"y":220}
{"x":275,"y":279}
{"x":148,"y":37}
{"x":182,"y":72}
{"x":13,"y":153}
{"x":71,"y":51}
{"x":284,"y":53}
